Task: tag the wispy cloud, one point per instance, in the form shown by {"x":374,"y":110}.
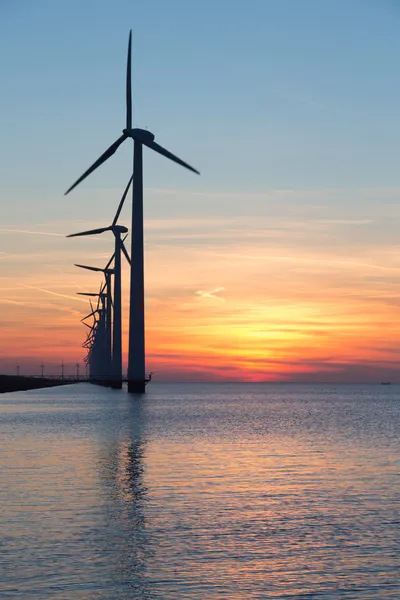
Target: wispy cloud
{"x":267,"y":193}
{"x":324,"y":261}
{"x":344,"y":221}
{"x":211,"y":294}
{"x":8,"y":301}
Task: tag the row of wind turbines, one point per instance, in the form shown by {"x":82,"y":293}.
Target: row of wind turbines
{"x":104,"y":339}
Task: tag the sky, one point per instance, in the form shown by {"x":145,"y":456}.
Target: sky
{"x":281,"y":262}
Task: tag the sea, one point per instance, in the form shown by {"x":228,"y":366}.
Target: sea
{"x":200,"y":491}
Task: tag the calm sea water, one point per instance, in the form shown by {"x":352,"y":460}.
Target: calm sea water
{"x":200,"y":491}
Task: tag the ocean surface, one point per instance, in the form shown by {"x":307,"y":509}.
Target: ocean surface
{"x":200,"y":491}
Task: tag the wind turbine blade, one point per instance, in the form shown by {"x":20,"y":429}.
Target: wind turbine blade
{"x":167,"y":154}
{"x":102,"y":286}
{"x":87,"y":316}
{"x":129,"y":84}
{"x":109,"y":152}
{"x":97,"y":269}
{"x":109,"y":263}
{"x":85,"y":294}
{"x":124,"y":250}
{"x":90,"y":232}
{"x":121,"y":204}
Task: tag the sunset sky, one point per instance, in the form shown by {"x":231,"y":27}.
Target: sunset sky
{"x":282,"y":260}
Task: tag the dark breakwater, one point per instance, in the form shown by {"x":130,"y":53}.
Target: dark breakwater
{"x":18,"y":383}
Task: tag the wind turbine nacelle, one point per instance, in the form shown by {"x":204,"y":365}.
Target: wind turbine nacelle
{"x":142,"y":135}
{"x":119,"y":228}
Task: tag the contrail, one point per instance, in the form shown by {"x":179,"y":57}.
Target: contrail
{"x":33,"y":232}
{"x":31,"y":287}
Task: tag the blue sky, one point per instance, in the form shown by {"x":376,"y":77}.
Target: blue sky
{"x":258,"y":95}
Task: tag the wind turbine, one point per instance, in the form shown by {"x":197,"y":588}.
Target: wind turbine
{"x":95,"y":347}
{"x":102,"y":339}
{"x":117,"y":230}
{"x":140,"y":137}
{"x":106,"y":300}
{"x":111,"y":312}
{"x":89,"y":344}
{"x":90,"y":341}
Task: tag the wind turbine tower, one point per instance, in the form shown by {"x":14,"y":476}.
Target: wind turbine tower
{"x":140,"y":137}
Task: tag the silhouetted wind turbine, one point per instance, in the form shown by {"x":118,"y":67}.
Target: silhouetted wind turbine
{"x":117,"y":304}
{"x":107,"y":314}
{"x":90,"y":345}
{"x":102,"y":337}
{"x":90,"y":342}
{"x":141,"y":137}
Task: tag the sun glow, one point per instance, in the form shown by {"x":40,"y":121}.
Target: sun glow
{"x":222,"y":302}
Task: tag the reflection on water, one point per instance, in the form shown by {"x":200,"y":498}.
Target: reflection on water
{"x":200,"y":491}
{"x":121,"y":468}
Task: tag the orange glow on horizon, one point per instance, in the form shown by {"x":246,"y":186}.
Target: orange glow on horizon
{"x":230,"y":309}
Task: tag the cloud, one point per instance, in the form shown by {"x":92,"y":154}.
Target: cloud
{"x":267,"y":193}
{"x":344,"y":221}
{"x":16,"y":302}
{"x":211,"y":294}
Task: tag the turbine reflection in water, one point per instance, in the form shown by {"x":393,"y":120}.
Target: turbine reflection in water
{"x":122,"y":468}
